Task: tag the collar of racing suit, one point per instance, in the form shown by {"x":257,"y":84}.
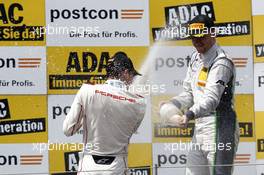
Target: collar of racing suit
{"x":116,"y":83}
{"x":208,"y":57}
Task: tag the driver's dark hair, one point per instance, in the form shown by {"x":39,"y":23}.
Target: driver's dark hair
{"x":115,"y":66}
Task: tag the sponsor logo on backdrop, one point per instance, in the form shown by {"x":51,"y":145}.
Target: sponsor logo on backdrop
{"x":71,"y":160}
{"x":87,"y":68}
{"x":260,"y":81}
{"x":240,"y":62}
{"x":246,"y":129}
{"x":171,"y":159}
{"x":171,"y":62}
{"x":259,"y":48}
{"x":97,"y":14}
{"x":145,"y":170}
{"x":11,"y":15}
{"x":242,"y":158}
{"x":22,"y":160}
{"x":19,"y":63}
{"x":4,"y":109}
{"x":60,"y":112}
{"x":25,"y":126}
{"x":81,"y":22}
{"x":260,"y":145}
{"x":164,"y":131}
{"x":177,"y":18}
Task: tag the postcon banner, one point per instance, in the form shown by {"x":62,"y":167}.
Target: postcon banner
{"x":167,"y":67}
{"x":245,"y":159}
{"x":23,"y":72}
{"x":258,"y":38}
{"x":243,"y":62}
{"x":23,"y":158}
{"x":21,"y":24}
{"x":70,"y":67}
{"x":58,"y":108}
{"x":169,"y":158}
{"x":169,"y":21}
{"x":118,"y":23}
{"x":23,"y":119}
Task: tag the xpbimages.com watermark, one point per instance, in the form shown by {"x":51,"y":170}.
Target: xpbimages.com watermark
{"x":50,"y":146}
{"x":182,"y":146}
{"x":72,"y":31}
{"x":184,"y":31}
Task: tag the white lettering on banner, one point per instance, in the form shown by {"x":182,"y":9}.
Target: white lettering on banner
{"x":22,"y":126}
{"x":3,"y":111}
{"x":259,"y":48}
{"x":182,"y":14}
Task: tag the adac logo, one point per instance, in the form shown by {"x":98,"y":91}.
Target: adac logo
{"x":177,"y":18}
{"x":84,"y":67}
{"x":164,"y":131}
{"x":21,"y":160}
{"x":11,"y":127}
{"x":21,"y":63}
{"x":259,"y":49}
{"x":95,"y":14}
{"x":13,"y":28}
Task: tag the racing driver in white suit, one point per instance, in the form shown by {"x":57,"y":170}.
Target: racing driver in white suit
{"x":208,"y":99}
{"x":109,"y":115}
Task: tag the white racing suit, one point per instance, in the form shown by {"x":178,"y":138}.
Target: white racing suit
{"x":109,"y":115}
{"x":208,"y":99}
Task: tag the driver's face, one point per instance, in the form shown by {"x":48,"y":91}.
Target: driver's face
{"x":203,"y":44}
